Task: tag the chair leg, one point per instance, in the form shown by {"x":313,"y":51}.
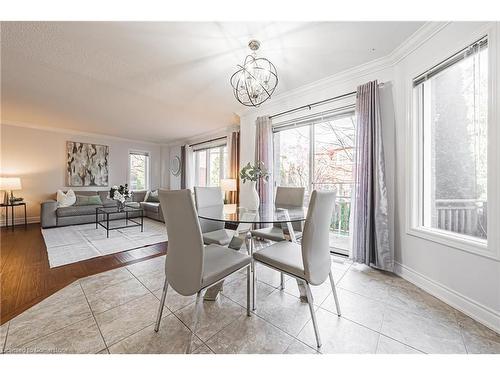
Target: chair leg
{"x":195,"y":322}
{"x":254,"y":279}
{"x":162,"y":303}
{"x":334,"y":290}
{"x":282,"y":281}
{"x":313,"y":314}
{"x":248,"y":291}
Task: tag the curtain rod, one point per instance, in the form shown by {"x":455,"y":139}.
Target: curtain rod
{"x":210,"y":140}
{"x":315,"y":104}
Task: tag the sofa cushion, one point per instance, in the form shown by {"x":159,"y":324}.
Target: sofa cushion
{"x":77,"y":210}
{"x":88,"y":200}
{"x":65,"y":199}
{"x":139,"y":195}
{"x":106,"y":201}
{"x":150,"y":206}
{"x":133,"y":204}
{"x":152,"y":196}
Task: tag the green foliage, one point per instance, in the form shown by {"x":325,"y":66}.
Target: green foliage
{"x":254,"y":172}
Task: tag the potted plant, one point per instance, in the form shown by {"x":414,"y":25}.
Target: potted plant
{"x":120,"y":195}
{"x":254,"y":173}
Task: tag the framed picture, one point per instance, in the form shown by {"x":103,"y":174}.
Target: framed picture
{"x":87,"y":164}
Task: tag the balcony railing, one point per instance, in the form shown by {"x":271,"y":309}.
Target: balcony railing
{"x":340,"y":220}
{"x":465,"y":216}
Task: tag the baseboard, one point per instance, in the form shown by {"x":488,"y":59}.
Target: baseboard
{"x":475,"y":310}
{"x":20,"y":220}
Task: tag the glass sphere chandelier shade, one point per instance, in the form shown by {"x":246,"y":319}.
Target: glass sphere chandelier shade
{"x":255,"y":81}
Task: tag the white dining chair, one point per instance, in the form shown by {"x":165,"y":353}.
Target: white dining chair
{"x":191,"y":267}
{"x":289,"y":197}
{"x":309,"y":261}
{"x":213,"y":231}
{"x":286,"y":197}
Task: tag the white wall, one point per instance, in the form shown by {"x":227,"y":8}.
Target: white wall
{"x":175,"y":181}
{"x":468,"y":281}
{"x":165,"y":166}
{"x":39,"y":158}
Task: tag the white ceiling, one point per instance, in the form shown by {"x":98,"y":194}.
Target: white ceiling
{"x":164,"y":81}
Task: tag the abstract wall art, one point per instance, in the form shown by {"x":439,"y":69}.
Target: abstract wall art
{"x":87,"y":164}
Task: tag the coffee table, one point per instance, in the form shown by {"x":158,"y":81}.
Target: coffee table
{"x":112,"y":214}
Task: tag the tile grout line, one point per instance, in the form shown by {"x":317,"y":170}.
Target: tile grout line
{"x":151,"y":325}
{"x":272,"y":324}
{"x":402,"y":343}
{"x":133,"y":333}
{"x":133,"y":299}
{"x":203,"y":341}
{"x":47,"y":334}
{"x":144,"y":285}
{"x":123,"y":281}
{"x":190,"y":330}
{"x":461,"y":332}
{"x":6,"y":335}
{"x":93,"y":316}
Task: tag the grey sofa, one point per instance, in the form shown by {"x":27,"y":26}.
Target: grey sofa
{"x":53,"y":216}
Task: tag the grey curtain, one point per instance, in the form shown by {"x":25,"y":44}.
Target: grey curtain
{"x":370,"y":205}
{"x":264,"y":154}
{"x":233,"y":146}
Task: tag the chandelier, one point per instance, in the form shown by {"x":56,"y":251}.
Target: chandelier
{"x":255,"y":81}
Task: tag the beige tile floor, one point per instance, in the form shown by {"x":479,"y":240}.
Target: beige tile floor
{"x":114,"y":312}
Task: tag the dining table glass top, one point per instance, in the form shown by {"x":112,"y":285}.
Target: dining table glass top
{"x":265,"y":214}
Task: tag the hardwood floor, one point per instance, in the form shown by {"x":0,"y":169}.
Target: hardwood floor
{"x":26,"y":277}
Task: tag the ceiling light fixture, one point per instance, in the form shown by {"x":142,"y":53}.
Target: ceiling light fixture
{"x":255,"y":81}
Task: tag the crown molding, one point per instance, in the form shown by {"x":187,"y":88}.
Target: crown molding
{"x":419,"y":37}
{"x":423,"y":34}
{"x":74,"y":132}
{"x":204,"y":136}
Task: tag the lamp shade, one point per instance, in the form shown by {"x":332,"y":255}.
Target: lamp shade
{"x":10,"y":183}
{"x":228,"y":184}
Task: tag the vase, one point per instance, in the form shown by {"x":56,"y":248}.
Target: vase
{"x":120,"y":205}
{"x":254,"y":201}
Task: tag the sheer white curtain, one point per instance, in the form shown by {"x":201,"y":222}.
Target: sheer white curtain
{"x":189,"y":167}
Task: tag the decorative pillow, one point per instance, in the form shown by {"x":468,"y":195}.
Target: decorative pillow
{"x":66,"y":199}
{"x":153,"y":197}
{"x":87,"y":200}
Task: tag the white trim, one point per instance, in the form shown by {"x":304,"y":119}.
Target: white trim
{"x":413,"y":139}
{"x":20,"y":220}
{"x":135,"y":151}
{"x":20,"y":124}
{"x":205,"y":136}
{"x":474,"y":309}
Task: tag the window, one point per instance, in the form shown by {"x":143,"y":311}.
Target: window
{"x":452,"y":167}
{"x":317,"y":153}
{"x":210,"y":165}
{"x":138,"y":170}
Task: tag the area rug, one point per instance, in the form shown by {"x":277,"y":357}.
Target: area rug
{"x":75,"y":243}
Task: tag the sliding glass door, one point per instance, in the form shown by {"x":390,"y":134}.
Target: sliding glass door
{"x":319,"y":155}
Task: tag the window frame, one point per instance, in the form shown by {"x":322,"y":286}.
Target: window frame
{"x":345,"y":111}
{"x":487,"y":248}
{"x":148,"y":168}
{"x":222,"y":169}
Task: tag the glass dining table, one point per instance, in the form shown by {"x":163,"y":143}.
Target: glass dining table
{"x":246,"y":220}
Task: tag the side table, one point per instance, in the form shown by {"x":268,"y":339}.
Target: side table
{"x":12,"y":206}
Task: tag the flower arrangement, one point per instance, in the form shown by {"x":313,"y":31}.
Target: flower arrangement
{"x":120,"y":194}
{"x":254,"y":172}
